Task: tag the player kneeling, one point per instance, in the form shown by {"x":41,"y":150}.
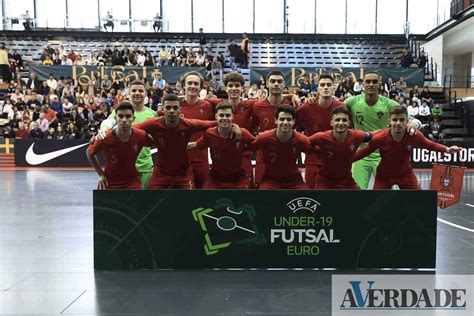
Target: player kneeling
{"x":121,"y":147}
{"x":227,"y":171}
{"x":396,"y":149}
{"x":337,"y":149}
{"x":281,"y":149}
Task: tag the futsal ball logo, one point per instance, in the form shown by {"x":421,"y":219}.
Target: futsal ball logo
{"x":225,"y":224}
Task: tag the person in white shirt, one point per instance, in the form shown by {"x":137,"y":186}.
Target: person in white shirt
{"x":413,"y":110}
{"x":65,"y":61}
{"x":163,"y":56}
{"x":51,"y":82}
{"x":358,"y":87}
{"x":425,"y":113}
{"x":141,"y":59}
{"x":17,"y":96}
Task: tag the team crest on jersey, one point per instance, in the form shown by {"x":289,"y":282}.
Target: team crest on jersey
{"x":380,"y":114}
{"x":237,"y":144}
{"x":201,"y":111}
{"x":266,"y":121}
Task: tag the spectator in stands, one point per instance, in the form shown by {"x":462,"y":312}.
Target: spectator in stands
{"x":17,"y":96}
{"x":148,"y":60}
{"x":35,"y":131}
{"x":7,"y":111}
{"x":407,"y":59}
{"x":202,"y":39}
{"x":303,"y":87}
{"x":105,"y":84}
{"x":393,"y":93}
{"x":313,"y":87}
{"x":79,"y":61}
{"x":65,"y":61}
{"x":52,"y":82}
{"x":109,"y":21}
{"x":191,"y":60}
{"x":157,"y":23}
{"x":221,"y":58}
{"x":216,"y":68}
{"x":339,"y":93}
{"x":163,"y":56}
{"x":60,"y":132}
{"x":252,"y":92}
{"x":173,"y":58}
{"x":414,"y":110}
{"x":92,"y":59}
{"x":425,"y":113}
{"x":27,"y":23}
{"x":72,"y":55}
{"x":22,"y":131}
{"x":71,"y":131}
{"x":437,"y":111}
{"x":18,"y":60}
{"x":401,"y":86}
{"x":435,"y":130}
{"x":42,"y":122}
{"x":358,"y":87}
{"x":33,"y":82}
{"x":425,"y":96}
{"x":200,"y":58}
{"x":233,"y":52}
{"x":182,"y":56}
{"x":47,"y":61}
{"x":140,"y":59}
{"x":245,"y":50}
{"x":421,"y":60}
{"x":389,"y":84}
{"x":213,"y":85}
{"x":50,"y":115}
{"x":44,"y":54}
{"x":4,"y":64}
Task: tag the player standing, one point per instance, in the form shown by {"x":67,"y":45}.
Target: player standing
{"x":396,"y":149}
{"x":316,"y":117}
{"x":121,"y":146}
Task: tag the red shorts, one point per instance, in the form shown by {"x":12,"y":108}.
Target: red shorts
{"x":407,"y":182}
{"x":211,"y":183}
{"x":270,"y":184}
{"x":324,"y":183}
{"x":310,"y":174}
{"x":133,"y":184}
{"x":165,"y":181}
{"x":201,"y":172}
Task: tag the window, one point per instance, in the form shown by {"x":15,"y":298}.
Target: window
{"x":143,"y":13}
{"x":422,"y":16}
{"x":208,"y":15}
{"x":177,"y":15}
{"x":51,"y":13}
{"x":78,"y":18}
{"x":238,"y":16}
{"x":14,"y":9}
{"x":391,"y":15}
{"x":300,"y":16}
{"x":268,"y":16}
{"x":330,"y":16}
{"x":360,"y":16}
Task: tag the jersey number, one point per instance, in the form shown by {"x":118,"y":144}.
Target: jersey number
{"x":274,"y":157}
{"x":360,"y":119}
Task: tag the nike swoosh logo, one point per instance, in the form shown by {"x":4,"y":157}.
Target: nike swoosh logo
{"x":34,"y":159}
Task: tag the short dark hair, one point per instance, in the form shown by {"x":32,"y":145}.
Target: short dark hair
{"x":341,"y":110}
{"x":275,"y":73}
{"x":195,"y":73}
{"x":170,"y":97}
{"x":224,"y":105}
{"x":326,"y":76}
{"x":124,"y":106}
{"x":286,"y":109}
{"x":137,"y":83}
{"x":398,"y":110}
{"x":372,"y":72}
{"x":234,"y":76}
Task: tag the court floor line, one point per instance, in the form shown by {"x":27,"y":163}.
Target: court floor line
{"x":455,"y":225}
{"x":469,"y":205}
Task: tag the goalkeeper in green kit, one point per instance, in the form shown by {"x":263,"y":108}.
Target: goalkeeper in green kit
{"x":371,"y":112}
{"x":144,"y":163}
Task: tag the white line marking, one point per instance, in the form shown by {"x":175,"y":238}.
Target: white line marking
{"x":455,"y":225}
{"x":469,"y":205}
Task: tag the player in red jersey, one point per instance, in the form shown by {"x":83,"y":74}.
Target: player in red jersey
{"x":281,"y":148}
{"x":194,"y":108}
{"x":338,"y":148}
{"x":227,"y":171}
{"x":121,"y":146}
{"x":316,"y":117}
{"x":395,"y":149}
{"x":171,"y":134}
{"x":263,"y":113}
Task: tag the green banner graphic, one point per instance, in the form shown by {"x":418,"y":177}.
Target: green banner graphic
{"x":83,"y":73}
{"x":264,"y":229}
{"x":293,"y":75}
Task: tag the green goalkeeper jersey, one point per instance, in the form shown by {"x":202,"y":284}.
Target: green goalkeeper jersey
{"x":370,"y":118}
{"x":144,"y":162}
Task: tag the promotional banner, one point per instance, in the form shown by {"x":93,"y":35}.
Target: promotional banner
{"x":51,"y":153}
{"x":167,"y":229}
{"x":424,"y":159}
{"x":447,"y":180}
{"x":83,"y":73}
{"x":293,"y":75}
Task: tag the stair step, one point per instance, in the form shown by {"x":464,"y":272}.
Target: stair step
{"x":456,"y":131}
{"x":452,"y":122}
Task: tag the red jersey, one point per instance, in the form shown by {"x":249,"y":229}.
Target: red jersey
{"x":396,"y":155}
{"x":315,"y":119}
{"x":172,"y":143}
{"x":226,"y":154}
{"x":121,"y":156}
{"x":280,"y":157}
{"x":263,"y":114}
{"x":242,"y":111}
{"x":338,"y":157}
{"x":201,"y":110}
